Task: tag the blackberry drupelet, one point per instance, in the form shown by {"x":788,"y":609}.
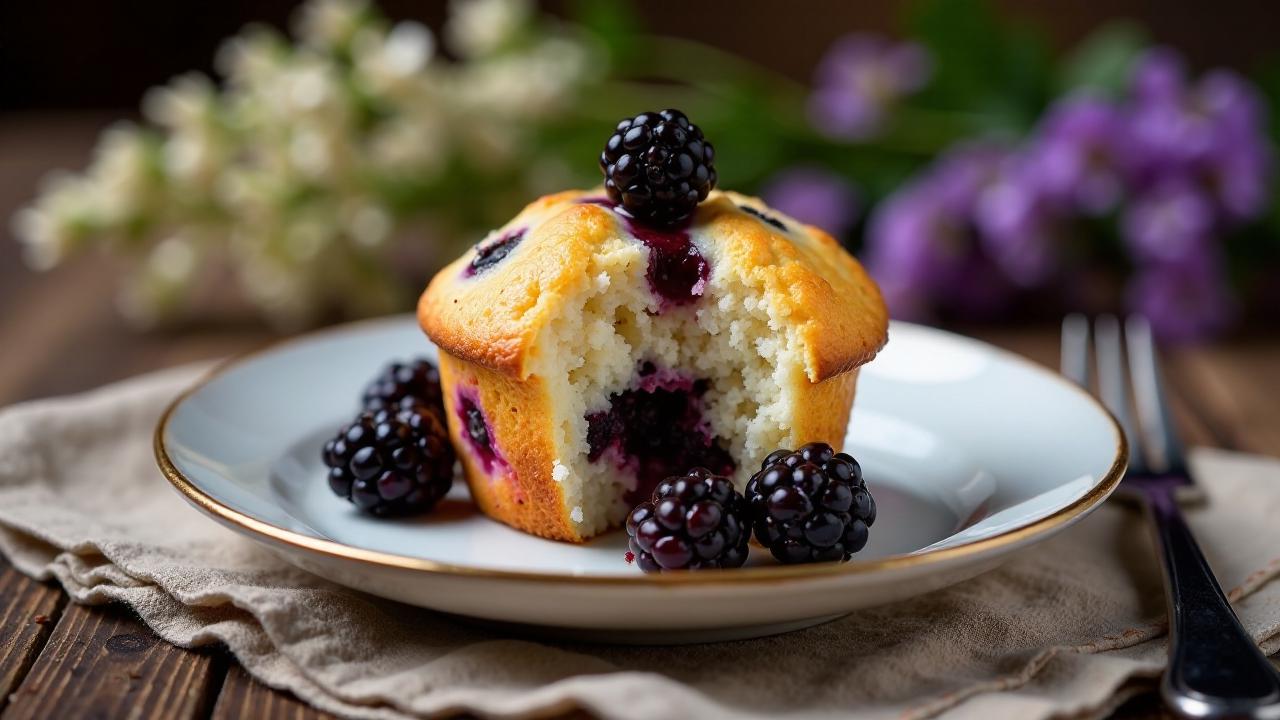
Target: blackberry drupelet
{"x":658,"y":167}
{"x":693,"y":522}
{"x":391,"y":461}
{"x":810,"y":505}
{"x":417,"y":381}
{"x":425,"y":419}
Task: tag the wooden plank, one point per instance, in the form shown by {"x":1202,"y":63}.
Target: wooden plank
{"x":1040,"y":344}
{"x":244,"y":697}
{"x":1037,"y":343}
{"x":1211,"y":428}
{"x":210,"y":346}
{"x":103,"y":662}
{"x":1237,"y":386}
{"x":1193,"y":425}
{"x":49,"y":315}
{"x":29,"y":610}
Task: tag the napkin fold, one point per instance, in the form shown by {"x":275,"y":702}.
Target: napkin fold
{"x":1062,"y":628}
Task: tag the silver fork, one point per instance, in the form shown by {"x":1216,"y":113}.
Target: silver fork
{"x":1215,"y":669}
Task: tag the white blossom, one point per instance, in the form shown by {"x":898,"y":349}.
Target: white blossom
{"x":187,"y":100}
{"x":385,"y":61}
{"x":477,"y":28}
{"x":302,"y":170}
{"x":253,"y":55}
{"x":44,"y":236}
{"x":122,"y":175}
{"x":330,"y":23}
{"x":410,"y":145}
{"x":369,"y":224}
{"x":309,"y":152}
{"x":173,"y":259}
{"x":196,"y":150}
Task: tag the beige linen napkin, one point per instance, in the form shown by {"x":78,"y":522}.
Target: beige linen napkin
{"x":1059,"y":629}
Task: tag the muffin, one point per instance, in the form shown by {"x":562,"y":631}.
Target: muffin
{"x":586,"y":354}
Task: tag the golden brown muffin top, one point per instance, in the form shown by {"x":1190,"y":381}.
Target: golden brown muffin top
{"x":493,"y":317}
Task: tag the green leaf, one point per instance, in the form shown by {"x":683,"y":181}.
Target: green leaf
{"x":615,"y":22}
{"x":964,"y":41}
{"x":998,"y":70}
{"x":1102,"y":61}
{"x":1267,"y":78}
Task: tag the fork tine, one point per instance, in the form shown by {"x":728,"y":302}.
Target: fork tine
{"x":1075,"y":349}
{"x":1150,"y":398}
{"x":1113,"y":385}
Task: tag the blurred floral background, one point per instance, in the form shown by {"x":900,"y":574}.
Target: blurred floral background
{"x":982,"y":172}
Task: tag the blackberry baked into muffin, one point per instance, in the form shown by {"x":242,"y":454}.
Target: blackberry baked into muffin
{"x":602,"y":341}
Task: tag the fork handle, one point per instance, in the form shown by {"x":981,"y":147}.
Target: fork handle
{"x":1215,"y":668}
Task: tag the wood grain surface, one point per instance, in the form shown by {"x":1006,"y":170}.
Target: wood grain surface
{"x":28,"y":613}
{"x":242,"y":697}
{"x":103,"y":662}
{"x":59,"y":333}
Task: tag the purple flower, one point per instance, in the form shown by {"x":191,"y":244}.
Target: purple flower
{"x":922,"y":244}
{"x":1238,"y":165}
{"x":1186,"y":301}
{"x":1215,"y":130}
{"x":1158,"y":76}
{"x":1167,"y":129}
{"x":815,"y":196}
{"x":1019,"y":228}
{"x":1233,"y":103}
{"x":1076,"y":156}
{"x":859,"y":79}
{"x":1240,"y":178}
{"x":959,"y":177}
{"x":1167,"y":139}
{"x":1180,"y":162}
{"x":1168,"y":222}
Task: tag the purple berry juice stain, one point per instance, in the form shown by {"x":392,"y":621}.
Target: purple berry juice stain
{"x":478,"y":433}
{"x":677,"y":272}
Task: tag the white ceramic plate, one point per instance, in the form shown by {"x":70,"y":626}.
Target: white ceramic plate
{"x":971,"y":453}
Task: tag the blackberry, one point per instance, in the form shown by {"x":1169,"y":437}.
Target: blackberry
{"x":416,"y":382}
{"x":425,"y":419}
{"x":391,"y":461}
{"x":658,"y":167}
{"x":693,"y":522}
{"x":810,"y":505}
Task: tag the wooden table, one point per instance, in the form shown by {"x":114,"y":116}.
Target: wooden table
{"x":60,"y":334}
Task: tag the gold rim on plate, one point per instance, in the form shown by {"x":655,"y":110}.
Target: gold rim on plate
{"x":768,"y":573}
